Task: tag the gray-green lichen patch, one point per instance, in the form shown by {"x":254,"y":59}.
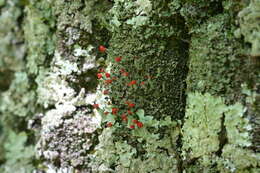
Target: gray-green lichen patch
{"x":18,"y":154}
{"x":12,"y":49}
{"x":250,"y":26}
{"x":142,"y":150}
{"x":39,"y":36}
{"x":67,"y":136}
{"x":202,"y":125}
{"x":217,"y":136}
{"x":19,"y":100}
{"x":196,"y":12}
{"x":67,"y":132}
{"x":67,"y":90}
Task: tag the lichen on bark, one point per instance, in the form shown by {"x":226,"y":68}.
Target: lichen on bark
{"x":49,"y":58}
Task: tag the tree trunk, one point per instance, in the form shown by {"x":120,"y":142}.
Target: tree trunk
{"x":129,"y":86}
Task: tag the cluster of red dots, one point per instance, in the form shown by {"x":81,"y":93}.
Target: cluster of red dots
{"x":108,"y":79}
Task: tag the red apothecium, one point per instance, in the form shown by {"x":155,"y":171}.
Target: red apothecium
{"x":99,"y":75}
{"x":139,"y":124}
{"x":114,"y":111}
{"x":125,"y":74}
{"x":124,"y":117}
{"x":108,"y":81}
{"x":132,"y":126}
{"x":109,"y":124}
{"x":95,"y":106}
{"x":135,"y":121}
{"x":118,"y":59}
{"x":107,"y":75}
{"x":105,"y":92}
{"x":133,"y":82}
{"x":102,"y":49}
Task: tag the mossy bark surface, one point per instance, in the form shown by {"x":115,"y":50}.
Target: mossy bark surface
{"x":187,"y":70}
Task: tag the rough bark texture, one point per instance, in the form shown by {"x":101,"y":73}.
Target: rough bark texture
{"x":187,"y":70}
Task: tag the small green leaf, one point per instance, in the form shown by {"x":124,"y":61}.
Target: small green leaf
{"x":140,"y":113}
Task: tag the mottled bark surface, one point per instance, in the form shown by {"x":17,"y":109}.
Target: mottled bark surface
{"x":177,"y":89}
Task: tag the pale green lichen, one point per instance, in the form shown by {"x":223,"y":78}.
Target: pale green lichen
{"x":238,"y":128}
{"x":18,"y":155}
{"x":12,"y":49}
{"x":250,"y":26}
{"x":142,"y":150}
{"x":202,"y":125}
{"x":19,"y":100}
{"x":39,"y":36}
{"x":237,"y":159}
{"x":212,"y":127}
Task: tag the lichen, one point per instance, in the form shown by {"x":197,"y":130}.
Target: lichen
{"x":12,"y":49}
{"x":18,"y":154}
{"x":67,"y":136}
{"x":19,"y":100}
{"x":250,"y":26}
{"x":142,"y":150}
{"x":217,"y":134}
{"x":39,"y":36}
{"x":67,"y":132}
{"x":218,"y":62}
{"x":202,"y":125}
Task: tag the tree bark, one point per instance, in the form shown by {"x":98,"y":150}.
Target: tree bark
{"x":129,"y":86}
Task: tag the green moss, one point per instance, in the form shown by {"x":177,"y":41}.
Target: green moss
{"x":152,"y":52}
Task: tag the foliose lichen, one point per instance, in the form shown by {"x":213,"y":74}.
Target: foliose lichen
{"x":250,"y":26}
{"x":217,"y":136}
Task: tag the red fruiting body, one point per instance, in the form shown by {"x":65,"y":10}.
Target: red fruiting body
{"x":122,"y":70}
{"x":139,"y":124}
{"x":102,"y":49}
{"x":99,"y":75}
{"x":106,"y":113}
{"x":108,"y":81}
{"x":131,"y":105}
{"x":118,"y":59}
{"x":95,"y":106}
{"x":135,"y":121}
{"x":109,"y":124}
{"x":129,"y":112}
{"x":132,"y":126}
{"x":142,"y":83}
{"x":114,"y":111}
{"x":124,"y":117}
{"x":107,"y":75}
{"x":125,"y":74}
{"x":133,"y":82}
{"x":105,"y":92}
